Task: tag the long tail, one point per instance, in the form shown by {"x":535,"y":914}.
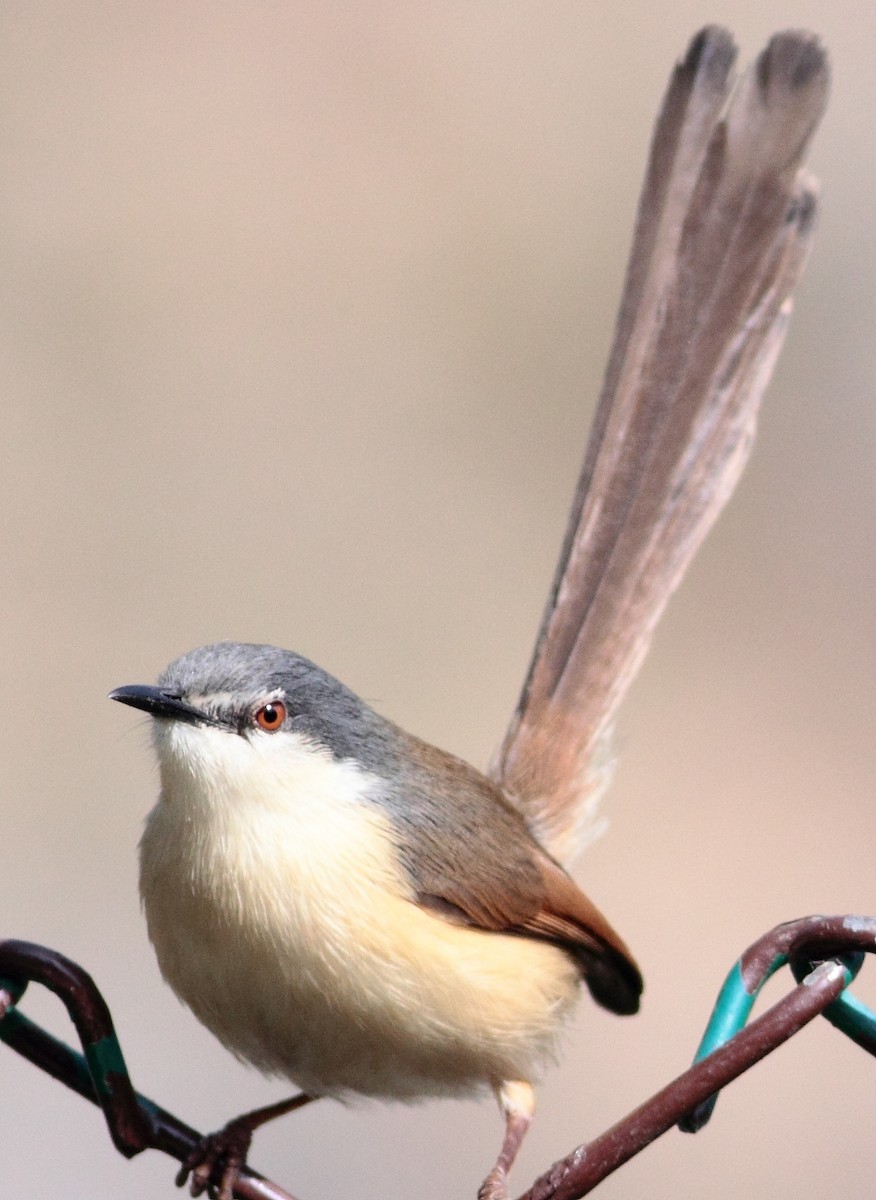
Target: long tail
{"x":722,"y":232}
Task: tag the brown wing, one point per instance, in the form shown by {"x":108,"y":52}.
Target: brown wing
{"x":721,"y":235}
{"x":472,"y":859}
{"x":557,"y":911}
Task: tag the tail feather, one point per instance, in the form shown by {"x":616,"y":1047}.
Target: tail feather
{"x":722,"y":232}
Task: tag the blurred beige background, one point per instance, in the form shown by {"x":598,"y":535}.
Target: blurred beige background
{"x":305,"y":310}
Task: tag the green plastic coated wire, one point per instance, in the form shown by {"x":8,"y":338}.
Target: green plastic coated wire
{"x":732,"y":1008}
{"x":743,"y":985}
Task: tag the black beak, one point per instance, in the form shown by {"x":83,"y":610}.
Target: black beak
{"x":160,"y":702}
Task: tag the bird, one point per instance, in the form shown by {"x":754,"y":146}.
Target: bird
{"x":351,"y":908}
{"x":346,"y":905}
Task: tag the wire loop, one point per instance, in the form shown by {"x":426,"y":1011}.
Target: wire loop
{"x":801,"y":945}
{"x":100,"y":1075}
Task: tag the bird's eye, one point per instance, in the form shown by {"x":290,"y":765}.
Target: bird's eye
{"x":270,"y":717}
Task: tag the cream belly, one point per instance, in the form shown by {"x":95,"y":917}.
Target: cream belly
{"x":279,"y":914}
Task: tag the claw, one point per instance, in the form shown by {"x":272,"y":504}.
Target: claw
{"x":216,"y":1162}
{"x":495,"y":1186}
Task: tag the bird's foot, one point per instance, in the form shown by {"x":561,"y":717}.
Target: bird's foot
{"x":495,"y":1186}
{"x":216,"y":1161}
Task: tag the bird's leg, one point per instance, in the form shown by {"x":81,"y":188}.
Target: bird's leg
{"x":517,"y":1101}
{"x":217,"y":1160}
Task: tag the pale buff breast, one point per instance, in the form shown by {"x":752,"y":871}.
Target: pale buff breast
{"x":280,"y":916}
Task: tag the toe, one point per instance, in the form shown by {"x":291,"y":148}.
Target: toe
{"x":495,"y":1186}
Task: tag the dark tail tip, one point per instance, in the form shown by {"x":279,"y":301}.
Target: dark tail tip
{"x":615,"y":983}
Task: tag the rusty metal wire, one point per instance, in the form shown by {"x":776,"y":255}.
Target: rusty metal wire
{"x":823,"y":952}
